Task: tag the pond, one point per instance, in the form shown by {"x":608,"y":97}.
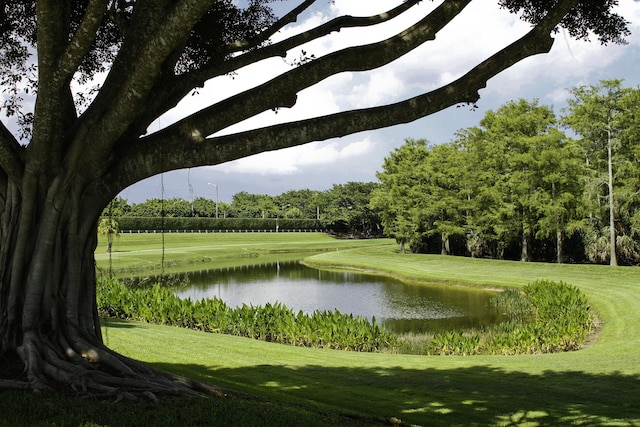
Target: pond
{"x":400,"y":306}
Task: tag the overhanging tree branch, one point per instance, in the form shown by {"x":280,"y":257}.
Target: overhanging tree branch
{"x":335,"y":24}
{"x":123,"y":98}
{"x":282,"y":90}
{"x":463,"y":90}
{"x":82,"y":40}
{"x":281,"y":48}
{"x":138,"y":163}
{"x":178,"y":87}
{"x":289,"y":18}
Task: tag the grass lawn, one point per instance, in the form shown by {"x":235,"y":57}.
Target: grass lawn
{"x":599,"y":385}
{"x":142,"y":253}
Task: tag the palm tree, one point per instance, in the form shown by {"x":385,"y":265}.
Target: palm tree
{"x":110,"y":228}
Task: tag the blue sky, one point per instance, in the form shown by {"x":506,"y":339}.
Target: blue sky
{"x":478,"y":32}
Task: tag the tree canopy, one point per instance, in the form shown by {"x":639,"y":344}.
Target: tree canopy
{"x":605,"y":116}
{"x":85,"y":79}
{"x":517,"y":187}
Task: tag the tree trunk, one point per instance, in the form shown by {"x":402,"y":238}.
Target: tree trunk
{"x":48,"y":311}
{"x":558,"y":227}
{"x":613,"y":259}
{"x":444,"y":248}
{"x":559,"y":245}
{"x":524,"y":254}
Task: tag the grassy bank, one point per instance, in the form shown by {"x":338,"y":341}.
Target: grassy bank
{"x":599,"y":385}
{"x":614,"y":292}
{"x":142,"y":254}
{"x":559,"y":389}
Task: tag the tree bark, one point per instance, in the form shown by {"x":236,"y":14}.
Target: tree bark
{"x":559,"y":245}
{"x":559,"y":233}
{"x":444,"y":245}
{"x":613,"y":259}
{"x":48,"y":299}
{"x":525,"y":256}
{"x":52,"y":191}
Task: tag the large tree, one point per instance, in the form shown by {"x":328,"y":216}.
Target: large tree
{"x":401,"y":193}
{"x":605,"y":116}
{"x":72,"y":154}
{"x":524,"y":171}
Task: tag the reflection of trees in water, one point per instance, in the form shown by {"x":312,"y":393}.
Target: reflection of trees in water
{"x":291,"y":270}
{"x":401,"y":306}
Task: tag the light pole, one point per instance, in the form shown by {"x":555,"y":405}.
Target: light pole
{"x":215,"y":185}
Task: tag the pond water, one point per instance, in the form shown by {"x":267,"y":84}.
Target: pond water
{"x":400,"y":306}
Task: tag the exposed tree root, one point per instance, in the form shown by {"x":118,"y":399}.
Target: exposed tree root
{"x":99,"y":373}
{"x":13,"y":385}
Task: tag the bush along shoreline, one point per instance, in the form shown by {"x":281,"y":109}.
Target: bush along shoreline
{"x":271,"y":322}
{"x":543,"y":317}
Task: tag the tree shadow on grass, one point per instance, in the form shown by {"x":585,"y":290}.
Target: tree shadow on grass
{"x":116,"y":323}
{"x":463,"y":396}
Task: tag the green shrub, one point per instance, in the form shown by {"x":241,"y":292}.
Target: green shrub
{"x":544,"y":317}
{"x":271,"y":322}
{"x":455,"y":343}
{"x":219,"y":224}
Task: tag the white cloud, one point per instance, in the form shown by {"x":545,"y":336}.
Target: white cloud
{"x":381,"y":87}
{"x":296,"y":159}
{"x":479,"y":31}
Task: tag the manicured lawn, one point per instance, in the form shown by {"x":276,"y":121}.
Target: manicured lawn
{"x":142,"y":253}
{"x":599,"y":385}
{"x":544,"y":390}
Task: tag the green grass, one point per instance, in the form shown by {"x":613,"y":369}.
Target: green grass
{"x":599,"y":385}
{"x":546,"y":389}
{"x":142,"y":253}
{"x":23,"y":409}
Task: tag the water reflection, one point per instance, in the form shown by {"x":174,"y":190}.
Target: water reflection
{"x":401,"y":307}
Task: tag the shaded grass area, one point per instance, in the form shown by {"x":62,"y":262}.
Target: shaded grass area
{"x":23,"y":409}
{"x":477,"y":395}
{"x":483,"y":390}
{"x":599,"y":385}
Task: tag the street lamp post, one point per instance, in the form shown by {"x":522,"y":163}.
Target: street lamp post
{"x":215,"y":185}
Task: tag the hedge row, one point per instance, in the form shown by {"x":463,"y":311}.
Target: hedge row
{"x":194,"y":224}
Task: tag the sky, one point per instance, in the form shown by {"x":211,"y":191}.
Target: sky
{"x":479,"y":31}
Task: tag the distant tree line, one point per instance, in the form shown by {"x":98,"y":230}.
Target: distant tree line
{"x":343,"y":209}
{"x":524,"y":184}
{"x":518,"y":187}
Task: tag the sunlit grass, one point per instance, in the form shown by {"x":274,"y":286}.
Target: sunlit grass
{"x":417,"y":389}
{"x":142,"y":254}
{"x":599,"y":385}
